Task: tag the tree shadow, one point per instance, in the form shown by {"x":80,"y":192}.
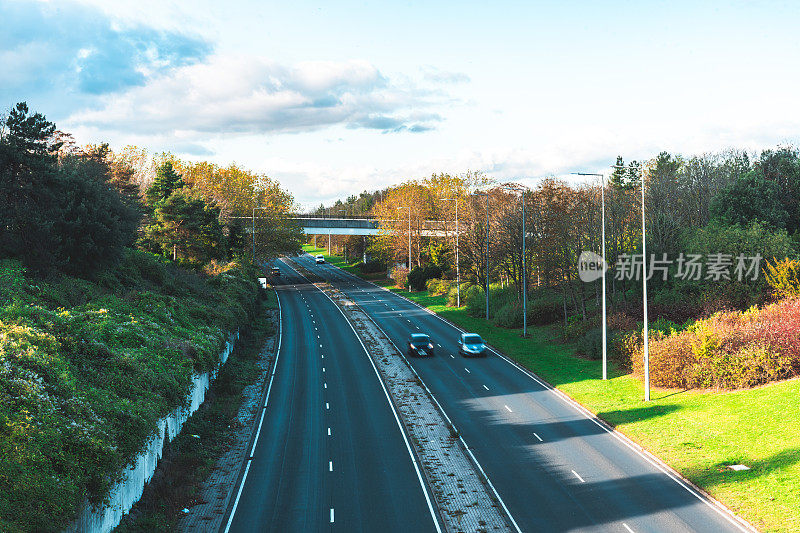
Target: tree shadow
{"x":638,"y":414}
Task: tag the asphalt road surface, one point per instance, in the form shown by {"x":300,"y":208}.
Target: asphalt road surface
{"x":330,"y":454}
{"x":555,"y":468}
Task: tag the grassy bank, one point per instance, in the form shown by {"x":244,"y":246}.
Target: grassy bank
{"x":191,"y":457}
{"x":699,"y":433}
{"x":88,"y":367}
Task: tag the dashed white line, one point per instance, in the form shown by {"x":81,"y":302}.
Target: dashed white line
{"x":331,"y":515}
{"x":326,"y":385}
{"x":626,"y":526}
{"x":330,"y":466}
{"x":468,"y":372}
{"x":323,"y":369}
{"x":320,"y":346}
{"x":578,"y":476}
{"x":329,"y":432}
{"x":327,"y":405}
{"x":452,"y":356}
{"x":509,"y":409}
{"x":538,"y":437}
{"x":485,"y":387}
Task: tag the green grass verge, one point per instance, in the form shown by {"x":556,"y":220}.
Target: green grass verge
{"x":190,"y":458}
{"x":341,"y":263}
{"x":698,"y":433}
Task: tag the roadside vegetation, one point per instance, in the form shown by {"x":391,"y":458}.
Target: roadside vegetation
{"x":724,"y":348}
{"x":120,"y":279}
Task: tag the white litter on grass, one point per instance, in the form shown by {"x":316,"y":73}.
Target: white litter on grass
{"x":739,"y":467}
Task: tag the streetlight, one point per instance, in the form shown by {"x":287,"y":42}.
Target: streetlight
{"x":603,"y":246}
{"x":458,"y":273}
{"x":487,"y":250}
{"x":409,"y":241}
{"x":520,"y":188}
{"x":644,"y":291}
{"x":254,"y":232}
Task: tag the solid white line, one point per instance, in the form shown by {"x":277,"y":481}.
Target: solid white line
{"x":394,"y":411}
{"x":538,"y":437}
{"x":509,"y":409}
{"x":331,"y":515}
{"x":263,"y":412}
{"x":485,"y":387}
{"x":627,"y":527}
{"x":578,"y":476}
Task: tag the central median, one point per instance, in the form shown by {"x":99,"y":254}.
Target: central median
{"x":465,"y":498}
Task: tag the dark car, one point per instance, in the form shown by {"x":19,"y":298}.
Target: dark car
{"x":419,"y":344}
{"x":471,"y":345}
{"x":276,"y":271}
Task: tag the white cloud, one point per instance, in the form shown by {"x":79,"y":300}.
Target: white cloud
{"x":251,"y":95}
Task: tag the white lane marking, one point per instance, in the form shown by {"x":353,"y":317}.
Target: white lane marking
{"x":626,"y":526}
{"x":578,"y":476}
{"x":509,"y":409}
{"x":320,"y":346}
{"x":538,"y":437}
{"x":439,"y":345}
{"x":400,"y":426}
{"x":323,"y":369}
{"x":322,"y":356}
{"x":485,"y":387}
{"x":327,"y":405}
{"x":263,"y":412}
{"x":329,"y":432}
{"x":467,"y":369}
{"x":452,"y":356}
{"x":330,"y":466}
{"x":331,"y":515}
{"x":326,"y":385}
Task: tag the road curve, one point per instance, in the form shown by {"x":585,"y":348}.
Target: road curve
{"x":555,"y":468}
{"x":330,"y":455}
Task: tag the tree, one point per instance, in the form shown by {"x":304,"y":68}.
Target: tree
{"x":751,"y":198}
{"x":166,"y":182}
{"x":187,"y":227}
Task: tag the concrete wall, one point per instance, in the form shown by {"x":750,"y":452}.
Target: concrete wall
{"x":127,"y":492}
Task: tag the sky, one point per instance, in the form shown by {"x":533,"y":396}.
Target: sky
{"x":333,"y":98}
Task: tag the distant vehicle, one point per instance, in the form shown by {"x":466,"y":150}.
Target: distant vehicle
{"x":471,"y":345}
{"x":419,"y":344}
{"x":320,"y":259}
{"x":276,"y":271}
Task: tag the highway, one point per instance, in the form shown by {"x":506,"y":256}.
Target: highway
{"x":555,"y":468}
{"x":330,"y":454}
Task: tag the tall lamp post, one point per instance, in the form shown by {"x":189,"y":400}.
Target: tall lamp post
{"x":409,"y":241}
{"x":254,"y":232}
{"x":486,"y":195}
{"x":644,"y":290}
{"x":603,"y":251}
{"x":458,"y":272}
{"x":521,"y":189}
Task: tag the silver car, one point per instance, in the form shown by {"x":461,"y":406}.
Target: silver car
{"x":471,"y":345}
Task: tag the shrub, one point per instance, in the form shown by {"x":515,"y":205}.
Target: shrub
{"x":420,"y":275}
{"x":372,"y":267}
{"x":452,"y":294}
{"x":400,"y":277}
{"x":474,"y":299}
{"x":591,"y":344}
{"x":544,"y":310}
{"x":728,"y":350}
{"x":509,"y":316}
{"x":784,"y":277}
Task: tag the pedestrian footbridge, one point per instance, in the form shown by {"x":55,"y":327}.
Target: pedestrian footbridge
{"x":317,"y":225}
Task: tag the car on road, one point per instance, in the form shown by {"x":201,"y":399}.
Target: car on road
{"x":276,"y":271}
{"x":320,"y":259}
{"x":471,"y":345}
{"x":419,"y":344}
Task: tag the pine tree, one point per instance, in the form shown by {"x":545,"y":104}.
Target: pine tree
{"x":167,"y":181}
